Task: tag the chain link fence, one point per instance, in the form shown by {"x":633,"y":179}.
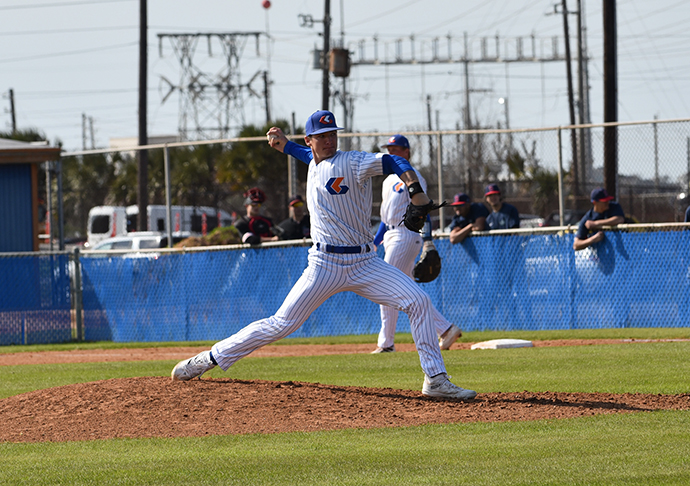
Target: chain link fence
{"x":35,"y":298}
{"x":529,"y":279}
{"x":653,"y":167}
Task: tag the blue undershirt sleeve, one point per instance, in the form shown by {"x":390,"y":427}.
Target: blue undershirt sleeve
{"x":300,"y":152}
{"x":426,"y":231}
{"x":393,"y":164}
{"x":379,"y":234}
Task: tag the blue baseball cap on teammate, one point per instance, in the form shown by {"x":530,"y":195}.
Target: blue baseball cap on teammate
{"x":460,"y":198}
{"x":600,"y":195}
{"x":397,"y":140}
{"x":491,"y":189}
{"x":320,"y":122}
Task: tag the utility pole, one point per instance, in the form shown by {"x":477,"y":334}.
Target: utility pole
{"x":83,"y":131}
{"x":580,"y":102}
{"x":430,"y":128}
{"x":325,"y":88}
{"x":267,"y":97}
{"x":610,"y":98}
{"x":143,"y":166}
{"x":571,"y":105}
{"x":14,"y":118}
{"x":93,"y":139}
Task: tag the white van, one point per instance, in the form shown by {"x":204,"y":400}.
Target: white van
{"x":110,"y":221}
{"x":106,"y":222}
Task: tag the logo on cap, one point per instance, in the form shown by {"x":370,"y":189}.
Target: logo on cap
{"x":326,"y":120}
{"x":491,"y":189}
{"x":460,"y":199}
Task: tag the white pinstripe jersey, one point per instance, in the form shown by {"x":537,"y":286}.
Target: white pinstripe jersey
{"x":395,"y":198}
{"x":339,"y":195}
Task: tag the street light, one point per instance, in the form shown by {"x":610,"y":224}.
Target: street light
{"x":504,"y":102}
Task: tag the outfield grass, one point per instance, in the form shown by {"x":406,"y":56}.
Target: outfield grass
{"x":641,"y":448}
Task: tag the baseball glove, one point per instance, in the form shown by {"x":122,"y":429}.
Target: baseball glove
{"x":415,"y":216}
{"x":428,"y":267}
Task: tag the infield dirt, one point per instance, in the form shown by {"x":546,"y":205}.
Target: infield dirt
{"x":158,"y":407}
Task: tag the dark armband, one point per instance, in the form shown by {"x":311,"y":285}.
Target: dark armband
{"x":414,"y":188}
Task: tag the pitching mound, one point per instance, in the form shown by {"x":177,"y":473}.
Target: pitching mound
{"x":158,"y":407}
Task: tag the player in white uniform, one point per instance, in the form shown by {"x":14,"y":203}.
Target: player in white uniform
{"x":402,"y":247}
{"x":339,"y":195}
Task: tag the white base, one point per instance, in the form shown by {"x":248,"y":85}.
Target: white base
{"x":503,"y":343}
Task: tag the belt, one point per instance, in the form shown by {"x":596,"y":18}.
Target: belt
{"x":343,"y":249}
{"x":392,"y":227}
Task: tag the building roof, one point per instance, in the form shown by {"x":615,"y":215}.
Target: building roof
{"x":16,"y":152}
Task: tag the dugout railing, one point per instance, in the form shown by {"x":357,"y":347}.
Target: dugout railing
{"x":529,"y":279}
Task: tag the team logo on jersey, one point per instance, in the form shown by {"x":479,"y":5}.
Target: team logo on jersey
{"x":399,"y":187}
{"x":335,"y":185}
{"x":325,"y":120}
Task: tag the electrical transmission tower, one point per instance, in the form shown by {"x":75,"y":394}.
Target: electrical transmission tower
{"x":212,"y":103}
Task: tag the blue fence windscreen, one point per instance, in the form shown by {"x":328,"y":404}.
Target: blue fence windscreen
{"x":35,"y":299}
{"x":507,"y":282}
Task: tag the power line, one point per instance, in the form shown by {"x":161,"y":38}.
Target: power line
{"x":65,"y":31}
{"x":60,"y":4}
{"x":68,"y":53}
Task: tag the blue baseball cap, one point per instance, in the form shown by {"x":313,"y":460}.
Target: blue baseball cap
{"x":460,"y":198}
{"x":397,"y":140}
{"x":600,"y":195}
{"x":320,"y":122}
{"x":491,"y":189}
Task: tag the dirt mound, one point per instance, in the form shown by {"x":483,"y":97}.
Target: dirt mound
{"x":158,"y":407}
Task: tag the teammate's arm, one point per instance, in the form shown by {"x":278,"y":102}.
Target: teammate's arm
{"x":458,"y":235}
{"x":599,"y":223}
{"x":581,"y":244}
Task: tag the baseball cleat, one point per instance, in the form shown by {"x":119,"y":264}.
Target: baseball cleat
{"x":389,"y":349}
{"x":440,"y":387}
{"x":193,"y":367}
{"x":450,"y":336}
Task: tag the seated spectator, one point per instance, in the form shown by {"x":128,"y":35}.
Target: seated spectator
{"x":503,"y":215}
{"x":604,"y":212}
{"x":297,"y":226}
{"x":253,"y":227}
{"x":468,"y":217}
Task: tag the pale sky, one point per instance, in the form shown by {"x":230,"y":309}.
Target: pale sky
{"x":65,"y":58}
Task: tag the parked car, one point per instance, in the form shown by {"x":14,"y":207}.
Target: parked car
{"x":139,"y":240}
{"x":530,"y":221}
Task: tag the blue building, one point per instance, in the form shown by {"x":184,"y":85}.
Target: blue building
{"x":19,"y":225}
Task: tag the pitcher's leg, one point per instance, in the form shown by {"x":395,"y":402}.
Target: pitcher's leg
{"x":386,"y":285}
{"x":314,"y":286}
{"x":401,"y":251}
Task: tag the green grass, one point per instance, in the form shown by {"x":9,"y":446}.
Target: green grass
{"x":474,"y":336}
{"x":640,"y":448}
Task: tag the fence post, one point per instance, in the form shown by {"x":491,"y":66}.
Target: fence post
{"x":78,"y":296}
{"x":168,"y":206}
{"x":561,"y":213}
{"x":439,"y":171}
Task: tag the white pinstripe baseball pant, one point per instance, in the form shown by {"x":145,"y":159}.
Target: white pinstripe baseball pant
{"x":325,"y":275}
{"x":402,"y":247}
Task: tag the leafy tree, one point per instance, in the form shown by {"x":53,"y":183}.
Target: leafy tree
{"x":249,"y":164}
{"x":86,"y":181}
